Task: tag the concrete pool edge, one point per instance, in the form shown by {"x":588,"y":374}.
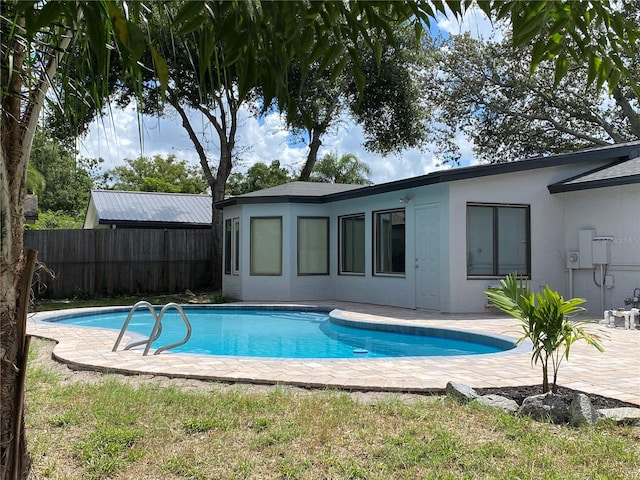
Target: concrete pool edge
{"x":508,"y":344}
{"x":607,"y":374}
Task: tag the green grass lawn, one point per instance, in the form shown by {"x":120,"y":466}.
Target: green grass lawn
{"x":43,"y":305}
{"x":124,"y":428}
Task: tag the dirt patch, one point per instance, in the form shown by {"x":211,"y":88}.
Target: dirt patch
{"x":520,"y":393}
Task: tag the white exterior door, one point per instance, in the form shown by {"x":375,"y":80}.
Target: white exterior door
{"x":427,"y":262}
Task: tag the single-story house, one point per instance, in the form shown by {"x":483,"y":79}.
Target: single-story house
{"x":438,"y":241}
{"x":120,"y":209}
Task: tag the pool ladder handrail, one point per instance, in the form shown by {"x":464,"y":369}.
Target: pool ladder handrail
{"x":157,"y":328}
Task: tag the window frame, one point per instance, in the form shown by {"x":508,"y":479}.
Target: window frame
{"x":496,"y":239}
{"x":227,"y":246}
{"x":375,"y":255}
{"x":252,"y":222}
{"x":341,"y":256}
{"x":235,"y":246}
{"x":327,"y":270}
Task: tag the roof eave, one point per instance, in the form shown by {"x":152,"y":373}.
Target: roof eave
{"x":151,"y":224}
{"x":272,"y":199}
{"x":608,"y":182}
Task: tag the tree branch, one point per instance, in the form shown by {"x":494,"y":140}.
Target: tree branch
{"x":630,"y":114}
{"x":208,"y":174}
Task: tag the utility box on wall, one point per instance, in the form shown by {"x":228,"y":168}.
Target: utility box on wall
{"x":573,"y":260}
{"x":602,"y":250}
{"x":585,"y":248}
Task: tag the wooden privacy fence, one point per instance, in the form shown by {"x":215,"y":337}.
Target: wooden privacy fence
{"x":121,"y":261}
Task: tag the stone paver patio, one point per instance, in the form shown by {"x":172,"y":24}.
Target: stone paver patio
{"x":614,"y":373}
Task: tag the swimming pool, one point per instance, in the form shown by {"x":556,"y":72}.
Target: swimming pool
{"x":291,"y":333}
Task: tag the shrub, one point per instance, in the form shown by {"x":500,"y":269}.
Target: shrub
{"x":546,"y":322}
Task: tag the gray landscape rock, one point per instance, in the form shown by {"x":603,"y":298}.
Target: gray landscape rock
{"x":582,"y":411}
{"x":498,"y":401}
{"x":461,"y":392}
{"x":545,"y":407}
{"x":622,"y":415}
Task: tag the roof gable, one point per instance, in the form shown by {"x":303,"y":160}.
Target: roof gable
{"x":304,"y":189}
{"x":151,"y":209}
{"x":621,"y":173}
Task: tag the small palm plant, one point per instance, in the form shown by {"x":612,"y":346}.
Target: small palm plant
{"x":546,"y":321}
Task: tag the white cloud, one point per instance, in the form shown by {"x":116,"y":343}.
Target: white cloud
{"x":473,"y":21}
{"x":116,"y":137}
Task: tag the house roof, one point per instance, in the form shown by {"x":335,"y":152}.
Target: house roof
{"x":616,"y":154}
{"x":298,"y":192}
{"x":150,"y":209}
{"x":621,"y":173}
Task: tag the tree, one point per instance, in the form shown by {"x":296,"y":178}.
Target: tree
{"x":159,"y":174}
{"x":56,"y":220}
{"x":261,"y":40}
{"x":35,"y":37}
{"x":346,"y":169}
{"x":218,"y":93}
{"x":258,"y":177}
{"x":486,"y":90}
{"x":546,"y":320}
{"x":385,"y":100}
{"x":67,"y":182}
{"x":35,"y":181}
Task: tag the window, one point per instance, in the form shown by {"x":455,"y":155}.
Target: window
{"x":232,"y":246}
{"x":498,"y":240}
{"x":389,"y":242}
{"x":266,"y":245}
{"x":235,"y":268}
{"x":351,"y":244}
{"x":227,"y":246}
{"x":313,"y":246}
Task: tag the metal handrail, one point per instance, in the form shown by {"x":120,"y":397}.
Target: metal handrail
{"x":126,"y":324}
{"x":157,"y":328}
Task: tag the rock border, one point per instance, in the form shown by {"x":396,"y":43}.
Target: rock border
{"x":548,"y":407}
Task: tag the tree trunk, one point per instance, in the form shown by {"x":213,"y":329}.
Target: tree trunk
{"x":545,"y":377}
{"x":312,"y":157}
{"x":218,"y":188}
{"x":20,"y":110}
{"x":15,"y":348}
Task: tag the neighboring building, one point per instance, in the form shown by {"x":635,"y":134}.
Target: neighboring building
{"x":119,"y":209}
{"x":30,"y":208}
{"x":438,"y":241}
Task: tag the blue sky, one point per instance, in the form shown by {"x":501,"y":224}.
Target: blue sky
{"x":116,"y":137}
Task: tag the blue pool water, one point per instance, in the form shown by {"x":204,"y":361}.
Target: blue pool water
{"x":290,"y":334}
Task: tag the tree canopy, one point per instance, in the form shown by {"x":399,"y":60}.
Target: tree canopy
{"x":157,"y":174}
{"x":259,"y":176}
{"x":344,"y":169}
{"x":486,"y":90}
{"x":67,"y":182}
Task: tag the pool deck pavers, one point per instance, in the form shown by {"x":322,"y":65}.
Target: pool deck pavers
{"x":613,"y":373}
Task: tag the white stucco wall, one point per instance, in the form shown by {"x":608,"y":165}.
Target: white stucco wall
{"x":548,"y":244}
{"x":390,"y":290}
{"x":367,"y":288}
{"x":614,"y":212}
{"x":555,"y":220}
{"x":91,"y":218}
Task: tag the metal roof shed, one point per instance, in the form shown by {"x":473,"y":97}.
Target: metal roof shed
{"x":120,"y":209}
